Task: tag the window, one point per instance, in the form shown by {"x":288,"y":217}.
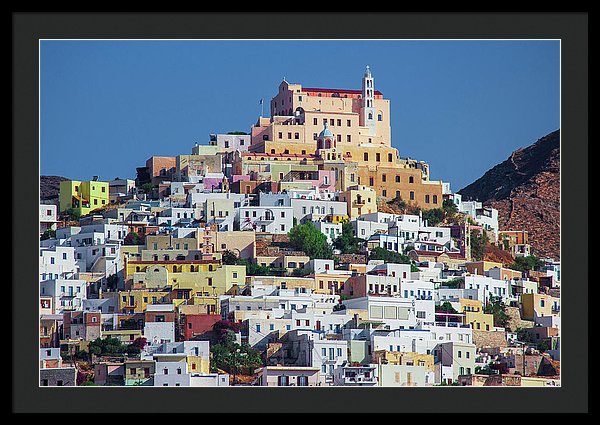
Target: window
{"x":411,"y":179}
{"x":435,"y":199}
{"x":379,"y":117}
{"x":257,"y":328}
{"x":366,"y":156}
{"x":426,"y":199}
{"x":348,"y":123}
{"x":315,"y":122}
{"x":383,"y":177}
{"x":412,"y":196}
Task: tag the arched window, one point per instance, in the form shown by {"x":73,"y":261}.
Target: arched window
{"x":370,"y":115}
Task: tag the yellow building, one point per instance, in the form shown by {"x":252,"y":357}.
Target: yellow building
{"x":202,"y":281}
{"x":404,"y":358}
{"x":539,"y":305}
{"x":329,"y":283}
{"x":480,"y":267}
{"x":126,"y":336}
{"x":157,"y":242}
{"x":360,"y":200}
{"x":136,"y":300}
{"x":356,"y":141}
{"x":195,"y":364}
{"x":474,"y":315}
{"x":307,"y":283}
{"x":83,"y":197}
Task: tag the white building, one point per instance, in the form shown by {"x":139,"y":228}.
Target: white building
{"x":68,"y":294}
{"x":48,"y":217}
{"x":57,"y":262}
{"x":157,"y":333}
{"x":229,"y":142}
{"x":171,"y":374}
{"x":452,"y":360}
{"x":317,"y":209}
{"x":269,"y":219}
{"x":486,"y":217}
{"x":331,"y":230}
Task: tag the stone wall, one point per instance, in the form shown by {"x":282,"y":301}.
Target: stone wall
{"x":515,"y":322}
{"x":486,"y":339}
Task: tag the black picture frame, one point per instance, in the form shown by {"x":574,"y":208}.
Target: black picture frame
{"x":570,"y":28}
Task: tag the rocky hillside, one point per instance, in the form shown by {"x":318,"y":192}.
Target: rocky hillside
{"x":525,"y":189}
{"x":49,"y":187}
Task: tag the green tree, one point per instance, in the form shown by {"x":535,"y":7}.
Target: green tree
{"x":479,"y":242}
{"x":71,"y":214}
{"x":543,"y":346}
{"x":106,"y":347}
{"x":48,"y":234}
{"x":433,"y":216}
{"x":379,"y":253}
{"x":147,"y":188}
{"x":307,"y":238}
{"x":524,"y":335}
{"x":497,"y":307}
{"x":445,"y":307}
{"x":528,"y":263}
{"x":298,"y":272}
{"x":227,"y":354}
{"x":133,"y":238}
{"x":455,"y":283}
{"x":346,"y":242}
{"x":229,"y":258}
{"x":112,"y":282}
{"x":399,"y":204}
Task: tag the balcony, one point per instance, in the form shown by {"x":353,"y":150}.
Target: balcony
{"x":265,"y":219}
{"x":359,"y":380}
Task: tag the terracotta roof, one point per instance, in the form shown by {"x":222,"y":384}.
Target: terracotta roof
{"x":347,"y":91}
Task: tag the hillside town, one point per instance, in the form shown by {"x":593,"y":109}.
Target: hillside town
{"x":303,"y":252}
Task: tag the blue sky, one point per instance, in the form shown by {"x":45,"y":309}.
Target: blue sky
{"x":461,"y":106}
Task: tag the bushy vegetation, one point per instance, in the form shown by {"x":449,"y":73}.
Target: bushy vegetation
{"x":48,"y":234}
{"x":479,"y":242}
{"x":530,"y":262}
{"x":346,"y":242}
{"x":227,"y":354}
{"x":133,"y":238}
{"x":113,"y":347}
{"x":379,"y":253}
{"x":307,"y":238}
{"x":497,"y":307}
{"x":252,"y":269}
{"x":70,"y":214}
{"x":455,"y":283}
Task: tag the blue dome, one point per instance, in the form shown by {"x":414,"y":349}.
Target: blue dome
{"x":326,"y":132}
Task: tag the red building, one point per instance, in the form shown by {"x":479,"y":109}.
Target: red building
{"x":197,"y":325}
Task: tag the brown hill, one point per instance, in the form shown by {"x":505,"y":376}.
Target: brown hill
{"x":50,"y":187}
{"x":525,"y":189}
